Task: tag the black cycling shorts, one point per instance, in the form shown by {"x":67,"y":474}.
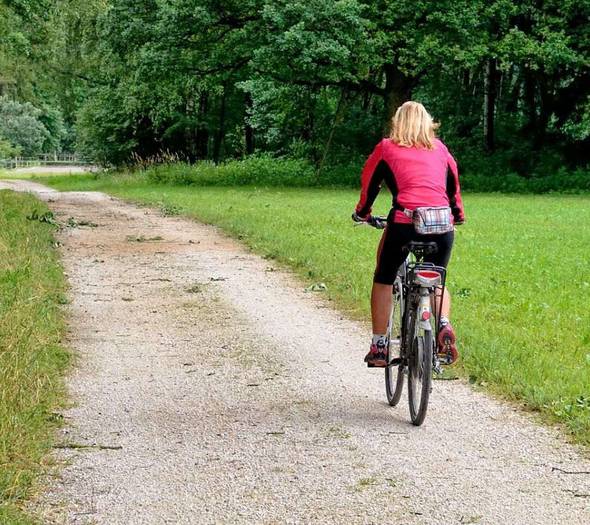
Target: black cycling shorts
{"x":390,"y":255}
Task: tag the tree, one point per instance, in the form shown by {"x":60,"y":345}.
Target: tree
{"x":319,"y":79}
{"x":21,"y":127}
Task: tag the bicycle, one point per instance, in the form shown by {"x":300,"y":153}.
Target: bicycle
{"x":413,"y":328}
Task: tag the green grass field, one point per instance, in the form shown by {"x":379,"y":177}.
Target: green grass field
{"x":519,"y":275}
{"x":31,"y":358}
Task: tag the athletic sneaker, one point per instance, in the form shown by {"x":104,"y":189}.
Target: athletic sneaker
{"x":377,"y":356}
{"x":447,"y":348}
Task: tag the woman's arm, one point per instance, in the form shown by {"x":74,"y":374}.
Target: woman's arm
{"x":372,"y":176}
{"x":454,"y":190}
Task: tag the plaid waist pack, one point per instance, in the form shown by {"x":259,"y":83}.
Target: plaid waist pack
{"x":432,"y":220}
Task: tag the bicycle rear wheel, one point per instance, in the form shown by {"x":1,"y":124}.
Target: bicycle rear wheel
{"x":420,"y":374}
{"x":394,"y":374}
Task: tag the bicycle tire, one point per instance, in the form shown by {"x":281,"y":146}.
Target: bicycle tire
{"x":394,"y":374}
{"x":420,"y":375}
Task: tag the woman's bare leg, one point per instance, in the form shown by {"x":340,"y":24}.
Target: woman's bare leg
{"x":446,"y":334}
{"x":445,"y":310}
{"x":381,"y":298}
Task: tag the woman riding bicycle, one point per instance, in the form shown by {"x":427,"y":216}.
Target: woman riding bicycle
{"x":420,"y":172}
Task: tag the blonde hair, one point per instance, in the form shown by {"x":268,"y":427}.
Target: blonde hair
{"x":412,"y":126}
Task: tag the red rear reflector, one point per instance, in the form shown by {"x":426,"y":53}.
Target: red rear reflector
{"x":425,"y":315}
{"x":427,"y":274}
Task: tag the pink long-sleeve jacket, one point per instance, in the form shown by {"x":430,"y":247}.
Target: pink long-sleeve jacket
{"x":416,"y":177}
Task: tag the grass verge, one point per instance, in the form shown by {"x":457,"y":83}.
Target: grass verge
{"x":31,"y":359}
{"x":519,"y":274}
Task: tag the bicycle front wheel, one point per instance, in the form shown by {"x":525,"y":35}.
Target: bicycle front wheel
{"x":394,"y":374}
{"x":420,"y":375}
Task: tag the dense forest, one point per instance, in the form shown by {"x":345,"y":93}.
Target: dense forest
{"x":121,"y":80}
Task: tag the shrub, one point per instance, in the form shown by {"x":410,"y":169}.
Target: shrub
{"x":343,"y":174}
{"x":260,"y":170}
{"x":20,"y":125}
{"x":264,"y":170}
{"x":560,"y":181}
{"x":7,"y":150}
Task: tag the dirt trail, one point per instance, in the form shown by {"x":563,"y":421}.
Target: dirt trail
{"x":229,"y":395}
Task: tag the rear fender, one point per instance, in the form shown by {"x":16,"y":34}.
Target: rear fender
{"x":424,"y":313}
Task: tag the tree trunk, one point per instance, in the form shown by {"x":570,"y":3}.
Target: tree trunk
{"x":337,"y":119}
{"x":489,"y":104}
{"x":465,"y":79}
{"x":398,"y":89}
{"x":367,"y":96}
{"x":545,"y":110}
{"x":308,"y":128}
{"x":248,"y":131}
{"x":513,"y":87}
{"x":529,"y":100}
{"x":202,"y":134}
{"x":221,"y":130}
{"x":366,"y":103}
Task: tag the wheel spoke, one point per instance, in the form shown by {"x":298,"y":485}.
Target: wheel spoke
{"x":420,"y":376}
{"x":394,"y":375}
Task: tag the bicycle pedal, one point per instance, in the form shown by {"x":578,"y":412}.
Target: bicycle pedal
{"x":444,"y":358}
{"x":371,"y":365}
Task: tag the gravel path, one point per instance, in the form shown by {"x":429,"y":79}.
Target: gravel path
{"x":204,"y":393}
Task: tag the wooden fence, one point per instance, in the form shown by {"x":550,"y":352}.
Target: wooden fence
{"x":44,"y":160}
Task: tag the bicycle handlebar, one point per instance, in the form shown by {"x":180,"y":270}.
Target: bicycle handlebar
{"x":378,"y":222}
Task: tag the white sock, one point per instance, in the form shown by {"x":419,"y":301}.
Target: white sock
{"x":444,"y":320}
{"x":380,"y":340}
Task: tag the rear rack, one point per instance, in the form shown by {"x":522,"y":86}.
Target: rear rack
{"x":414,"y":268}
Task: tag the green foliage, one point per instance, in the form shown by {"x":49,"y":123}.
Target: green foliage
{"x":256,"y":170}
{"x":317,"y":79}
{"x":21,"y":127}
{"x":166,"y":79}
{"x":31,"y":358}
{"x":315,"y":41}
{"x":43,"y":61}
{"x":106,"y":132}
{"x":577,"y":126}
{"x":267,"y":171}
{"x":7,"y":150}
{"x":57,"y":130}
{"x":29,"y":65}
